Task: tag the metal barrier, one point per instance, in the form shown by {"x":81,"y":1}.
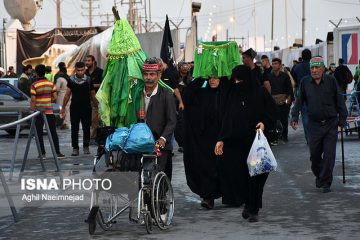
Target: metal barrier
{"x":32,"y":133}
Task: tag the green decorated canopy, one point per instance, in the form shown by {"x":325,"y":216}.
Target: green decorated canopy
{"x":216,"y":59}
{"x":119,"y":95}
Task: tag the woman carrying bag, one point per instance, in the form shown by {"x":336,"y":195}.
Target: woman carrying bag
{"x":250,"y":107}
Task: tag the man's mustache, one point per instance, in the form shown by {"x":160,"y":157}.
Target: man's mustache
{"x":149,"y":81}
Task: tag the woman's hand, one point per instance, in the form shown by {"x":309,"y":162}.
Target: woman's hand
{"x":219,"y":148}
{"x":181,"y":106}
{"x":261,"y":126}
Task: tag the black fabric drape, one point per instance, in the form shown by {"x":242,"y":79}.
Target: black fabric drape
{"x":32,"y":44}
{"x":167,"y":44}
{"x":170,"y":76}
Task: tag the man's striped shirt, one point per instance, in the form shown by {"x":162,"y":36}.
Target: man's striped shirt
{"x":43,"y":89}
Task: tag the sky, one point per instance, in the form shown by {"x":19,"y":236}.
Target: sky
{"x":236,"y":16}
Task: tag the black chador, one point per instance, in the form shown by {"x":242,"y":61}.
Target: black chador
{"x":248,"y":104}
{"x":204,"y":110}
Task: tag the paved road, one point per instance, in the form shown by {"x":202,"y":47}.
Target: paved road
{"x":293,"y":207}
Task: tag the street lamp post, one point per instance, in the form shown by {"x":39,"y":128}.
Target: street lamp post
{"x":303,"y":23}
{"x":195,"y":8}
{"x":4,"y":45}
{"x":272,"y":24}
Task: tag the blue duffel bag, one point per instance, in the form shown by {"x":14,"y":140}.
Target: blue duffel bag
{"x":117,"y":140}
{"x":140,"y":139}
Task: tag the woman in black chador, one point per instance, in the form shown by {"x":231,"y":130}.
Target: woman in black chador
{"x":204,"y":109}
{"x":249,"y":107}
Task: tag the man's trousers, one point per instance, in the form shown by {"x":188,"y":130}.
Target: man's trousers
{"x":77,"y":115}
{"x":322,"y":143}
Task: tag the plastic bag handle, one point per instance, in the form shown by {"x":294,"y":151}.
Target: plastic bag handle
{"x":258,"y":133}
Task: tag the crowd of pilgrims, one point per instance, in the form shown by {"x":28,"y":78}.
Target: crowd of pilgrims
{"x":217,"y":122}
{"x":216,"y":126}
{"x":217,"y":119}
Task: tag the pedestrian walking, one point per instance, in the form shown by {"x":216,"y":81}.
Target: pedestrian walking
{"x":282,"y":92}
{"x":250,"y":107}
{"x":302,"y":70}
{"x":159,"y":112}
{"x":326,"y":110}
{"x":43,"y":93}
{"x":343,"y":75}
{"x":24,"y":79}
{"x":61,"y":80}
{"x":265,"y":63}
{"x":49,"y":75}
{"x":248,"y":60}
{"x":95,"y":74}
{"x":11,"y":73}
{"x":205,"y":107}
{"x":82,"y":94}
{"x":332,"y":68}
{"x":184,"y":79}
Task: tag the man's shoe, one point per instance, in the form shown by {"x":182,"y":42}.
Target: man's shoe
{"x":274,"y":143}
{"x":326,"y":189}
{"x":253,"y":218}
{"x":86,"y":150}
{"x":64,"y":126}
{"x":207,"y":203}
{"x":43,"y":156}
{"x":60,"y":156}
{"x":75,"y":152}
{"x":245,"y":213}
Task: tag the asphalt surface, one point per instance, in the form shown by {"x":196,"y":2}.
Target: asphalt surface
{"x":292,"y":207}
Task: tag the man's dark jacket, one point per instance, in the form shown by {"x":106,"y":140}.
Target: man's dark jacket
{"x":161,"y":115}
{"x":301,"y":70}
{"x":342,"y":74}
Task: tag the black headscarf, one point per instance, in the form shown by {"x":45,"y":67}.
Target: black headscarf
{"x":246,"y":84}
{"x":214,"y":100}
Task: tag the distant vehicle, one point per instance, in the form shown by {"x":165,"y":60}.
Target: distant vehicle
{"x":12,"y":81}
{"x":11,"y":101}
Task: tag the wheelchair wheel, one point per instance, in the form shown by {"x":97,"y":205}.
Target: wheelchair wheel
{"x":91,"y":220}
{"x":162,"y":201}
{"x":92,"y":228}
{"x":108,"y":205}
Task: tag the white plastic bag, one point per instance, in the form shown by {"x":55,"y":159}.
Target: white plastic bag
{"x":261,"y":159}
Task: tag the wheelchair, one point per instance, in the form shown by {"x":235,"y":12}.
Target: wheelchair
{"x":153,"y":202}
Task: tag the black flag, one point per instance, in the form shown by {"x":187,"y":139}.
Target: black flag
{"x":170,"y":75}
{"x":167,"y":45}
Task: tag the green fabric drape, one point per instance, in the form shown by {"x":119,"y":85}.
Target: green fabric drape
{"x":119,"y":95}
{"x":216,"y":59}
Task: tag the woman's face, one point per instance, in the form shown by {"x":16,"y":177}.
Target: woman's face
{"x":214,"y":82}
{"x":238,"y":81}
